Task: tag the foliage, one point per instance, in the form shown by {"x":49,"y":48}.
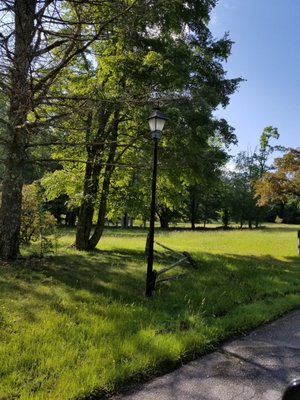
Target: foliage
{"x":282,"y":184}
{"x":78,"y":324}
{"x":265,"y":150}
{"x":63,"y":182}
{"x":35,"y":222}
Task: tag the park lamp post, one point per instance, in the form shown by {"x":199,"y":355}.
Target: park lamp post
{"x":156,"y":122}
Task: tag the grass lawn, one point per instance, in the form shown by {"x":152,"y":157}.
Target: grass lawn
{"x":76,"y":324}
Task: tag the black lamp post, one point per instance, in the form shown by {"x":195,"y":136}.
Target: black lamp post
{"x":156,"y":122}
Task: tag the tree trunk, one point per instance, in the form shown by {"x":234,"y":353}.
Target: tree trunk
{"x":86,"y":212}
{"x":125,"y":221}
{"x":84,"y":239}
{"x":91,"y":182}
{"x":281,"y":210}
{"x":225,"y":218}
{"x":70,"y":218}
{"x":19,"y":106}
{"x":164,"y":220}
{"x":10,"y":213}
{"x":94,"y":240}
{"x":258,"y":216}
{"x":193,"y":210}
{"x":193,"y":214}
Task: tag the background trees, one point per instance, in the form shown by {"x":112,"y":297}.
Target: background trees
{"x":282,"y":183}
{"x":239,"y":185}
{"x":280,"y":188}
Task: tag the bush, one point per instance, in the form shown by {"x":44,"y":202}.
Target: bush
{"x":35,"y":222}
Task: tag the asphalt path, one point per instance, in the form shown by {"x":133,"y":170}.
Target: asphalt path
{"x":258,"y":366}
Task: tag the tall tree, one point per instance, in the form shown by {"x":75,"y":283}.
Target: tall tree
{"x":265,"y":150}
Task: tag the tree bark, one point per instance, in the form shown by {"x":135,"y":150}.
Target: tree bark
{"x":94,"y":240}
{"x":84,"y":239}
{"x":10,"y":213}
{"x":91,"y":183}
{"x":86,"y":212}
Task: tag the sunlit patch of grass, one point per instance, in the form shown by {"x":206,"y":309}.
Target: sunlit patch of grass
{"x":75,"y":323}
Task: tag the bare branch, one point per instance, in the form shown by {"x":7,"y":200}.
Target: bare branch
{"x":52,"y":46}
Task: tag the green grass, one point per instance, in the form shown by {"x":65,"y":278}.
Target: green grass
{"x":76,"y":323}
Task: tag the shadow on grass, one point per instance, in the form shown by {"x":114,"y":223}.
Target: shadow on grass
{"x":281,"y":228}
{"x":223,"y":281}
{"x":228,"y":294}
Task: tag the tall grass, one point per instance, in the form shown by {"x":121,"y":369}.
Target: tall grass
{"x":75,"y":323}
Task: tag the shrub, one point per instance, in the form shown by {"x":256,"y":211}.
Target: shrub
{"x":35,"y":222}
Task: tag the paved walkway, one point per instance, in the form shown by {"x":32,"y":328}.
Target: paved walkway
{"x":257,"y":367}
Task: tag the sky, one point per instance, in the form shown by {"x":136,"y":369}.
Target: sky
{"x":266,"y":53}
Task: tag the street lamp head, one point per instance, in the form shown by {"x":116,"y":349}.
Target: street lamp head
{"x":156,"y":122}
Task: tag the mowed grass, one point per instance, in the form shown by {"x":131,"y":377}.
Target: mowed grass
{"x":77,"y":325}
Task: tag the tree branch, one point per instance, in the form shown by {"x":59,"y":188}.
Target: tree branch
{"x":71,"y":52}
{"x":72,"y":160}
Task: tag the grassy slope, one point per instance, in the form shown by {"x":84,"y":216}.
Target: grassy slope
{"x":77,"y":323}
